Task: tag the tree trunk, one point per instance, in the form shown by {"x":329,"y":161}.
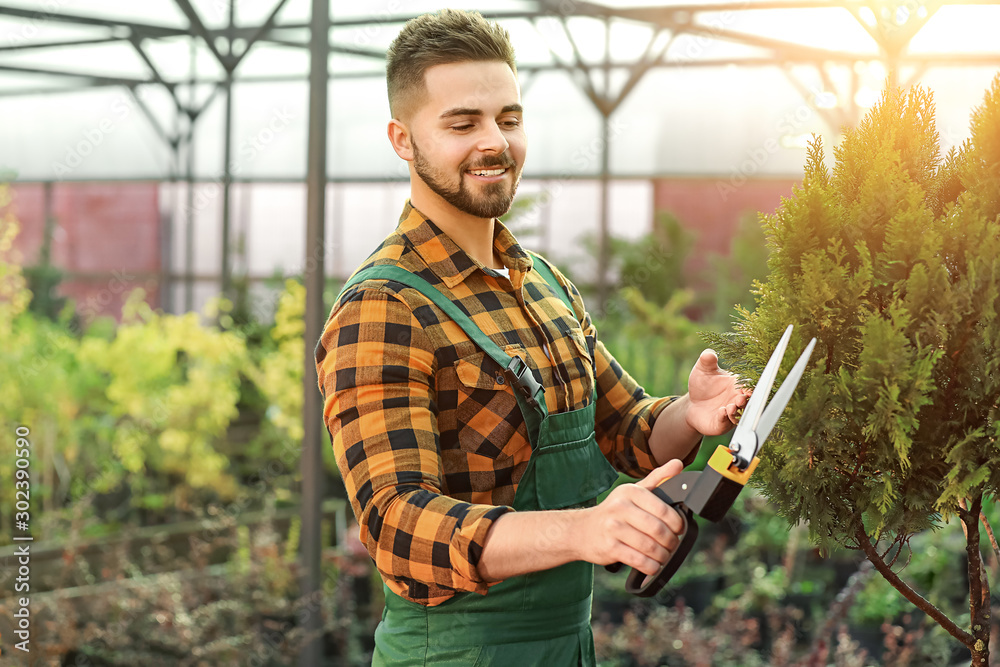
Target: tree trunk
{"x":979,"y":587}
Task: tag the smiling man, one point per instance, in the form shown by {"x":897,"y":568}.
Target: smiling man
{"x":474,"y":413}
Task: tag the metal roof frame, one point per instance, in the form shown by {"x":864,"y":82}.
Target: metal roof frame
{"x":890,"y":38}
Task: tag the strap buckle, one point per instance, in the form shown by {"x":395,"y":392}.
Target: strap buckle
{"x":519,"y":374}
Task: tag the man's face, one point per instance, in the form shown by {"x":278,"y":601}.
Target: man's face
{"x":467,"y":136}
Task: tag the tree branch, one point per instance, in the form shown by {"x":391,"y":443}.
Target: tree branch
{"x":918,"y":601}
{"x":989,"y":533}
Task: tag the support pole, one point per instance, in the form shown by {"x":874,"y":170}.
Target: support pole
{"x":311,"y":465}
{"x":170,"y":223}
{"x":189,"y":190}
{"x":604,"y":238}
{"x":227,"y":182}
{"x":604,"y":234}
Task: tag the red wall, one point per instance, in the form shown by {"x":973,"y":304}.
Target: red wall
{"x":713,"y":208}
{"x":106,"y":240}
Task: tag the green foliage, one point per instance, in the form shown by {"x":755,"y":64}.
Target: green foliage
{"x":141,"y":414}
{"x":279,"y":376}
{"x":654,"y":264}
{"x":646,"y":327}
{"x":172,"y":390}
{"x":891,"y":262}
{"x":14,"y":296}
{"x":732,"y":275}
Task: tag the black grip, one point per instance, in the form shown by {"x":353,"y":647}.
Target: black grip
{"x":673,"y":492}
{"x":647,"y":585}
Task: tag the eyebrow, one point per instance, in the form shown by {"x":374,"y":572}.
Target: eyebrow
{"x":467,"y":111}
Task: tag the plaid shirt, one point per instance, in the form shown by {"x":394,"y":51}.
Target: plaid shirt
{"x":427,"y":434}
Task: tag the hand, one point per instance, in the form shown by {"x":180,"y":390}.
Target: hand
{"x":715,"y":399}
{"x":632,"y":526}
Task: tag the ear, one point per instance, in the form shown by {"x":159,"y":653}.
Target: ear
{"x":399,"y":137}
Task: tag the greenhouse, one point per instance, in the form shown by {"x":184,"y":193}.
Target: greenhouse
{"x":186,"y":185}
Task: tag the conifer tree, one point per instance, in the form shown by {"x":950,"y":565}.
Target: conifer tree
{"x":892,"y":261}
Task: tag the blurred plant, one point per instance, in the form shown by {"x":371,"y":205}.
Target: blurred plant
{"x":732,"y":276}
{"x":278,"y":375}
{"x":654,"y":264}
{"x":670,"y":635}
{"x":246,"y":611}
{"x":172,"y":391}
{"x":895,"y":426}
{"x":39,"y":389}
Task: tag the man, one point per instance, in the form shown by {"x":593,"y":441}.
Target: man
{"x":473,"y":411}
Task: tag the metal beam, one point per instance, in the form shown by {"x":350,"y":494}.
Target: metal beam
{"x":96,"y":78}
{"x":911,"y":60}
{"x":136,"y":41}
{"x":189,"y":190}
{"x":227,"y":186}
{"x":314,"y":273}
{"x":83,"y":19}
{"x":29,"y":46}
{"x":198,"y":28}
{"x":259,"y":32}
{"x":170,"y":140}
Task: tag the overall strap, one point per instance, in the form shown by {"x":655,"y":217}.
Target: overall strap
{"x":515,"y":368}
{"x":542,"y":266}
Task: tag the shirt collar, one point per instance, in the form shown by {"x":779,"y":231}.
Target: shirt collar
{"x":447,"y":260}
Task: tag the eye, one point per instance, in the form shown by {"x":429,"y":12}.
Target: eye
{"x":511,"y":123}
{"x":461,"y":128}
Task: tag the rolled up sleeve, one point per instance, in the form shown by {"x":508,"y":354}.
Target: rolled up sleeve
{"x":376,"y":370}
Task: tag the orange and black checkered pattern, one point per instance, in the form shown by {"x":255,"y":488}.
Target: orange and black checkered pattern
{"x":427,"y":433}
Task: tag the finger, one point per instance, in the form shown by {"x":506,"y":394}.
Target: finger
{"x":640,"y":561}
{"x":722,"y":415}
{"x":644,"y":510}
{"x":663,"y":473}
{"x":662,"y":525}
{"x":646,"y":548}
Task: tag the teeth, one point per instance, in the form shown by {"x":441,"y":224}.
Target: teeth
{"x":488,"y":172}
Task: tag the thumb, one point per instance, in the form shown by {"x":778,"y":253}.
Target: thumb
{"x":708,"y":361}
{"x":663,"y":473}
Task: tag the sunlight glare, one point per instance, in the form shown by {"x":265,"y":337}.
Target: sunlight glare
{"x":868,"y":16}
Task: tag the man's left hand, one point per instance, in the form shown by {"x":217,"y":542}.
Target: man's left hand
{"x":715,"y":399}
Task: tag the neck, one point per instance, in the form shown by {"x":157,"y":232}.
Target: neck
{"x":471,"y":234}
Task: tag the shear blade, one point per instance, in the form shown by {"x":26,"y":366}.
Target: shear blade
{"x":755,"y":406}
{"x":760,"y":416}
{"x":783,"y":395}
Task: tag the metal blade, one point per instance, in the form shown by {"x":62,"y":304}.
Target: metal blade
{"x":755,"y":406}
{"x":782,"y":396}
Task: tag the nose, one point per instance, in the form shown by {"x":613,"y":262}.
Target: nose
{"x":492,"y":139}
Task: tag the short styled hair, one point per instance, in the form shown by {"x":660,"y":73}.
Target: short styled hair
{"x":448,"y":36}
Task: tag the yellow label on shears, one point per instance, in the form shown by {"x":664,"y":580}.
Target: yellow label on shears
{"x":722,"y":463}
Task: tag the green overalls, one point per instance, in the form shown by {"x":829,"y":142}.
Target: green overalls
{"x":542,"y":618}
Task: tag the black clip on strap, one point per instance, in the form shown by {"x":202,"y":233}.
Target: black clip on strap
{"x":519,"y":374}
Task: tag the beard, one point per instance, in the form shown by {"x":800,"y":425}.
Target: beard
{"x":496,"y":198}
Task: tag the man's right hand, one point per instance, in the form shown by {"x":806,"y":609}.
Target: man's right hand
{"x":632,"y":526}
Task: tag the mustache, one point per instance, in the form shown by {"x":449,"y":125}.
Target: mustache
{"x":506,"y":163}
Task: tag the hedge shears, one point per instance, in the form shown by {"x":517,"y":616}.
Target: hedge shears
{"x":711,"y":492}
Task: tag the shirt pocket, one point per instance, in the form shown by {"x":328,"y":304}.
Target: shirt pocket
{"x":488,"y":417}
{"x":581,"y":368}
